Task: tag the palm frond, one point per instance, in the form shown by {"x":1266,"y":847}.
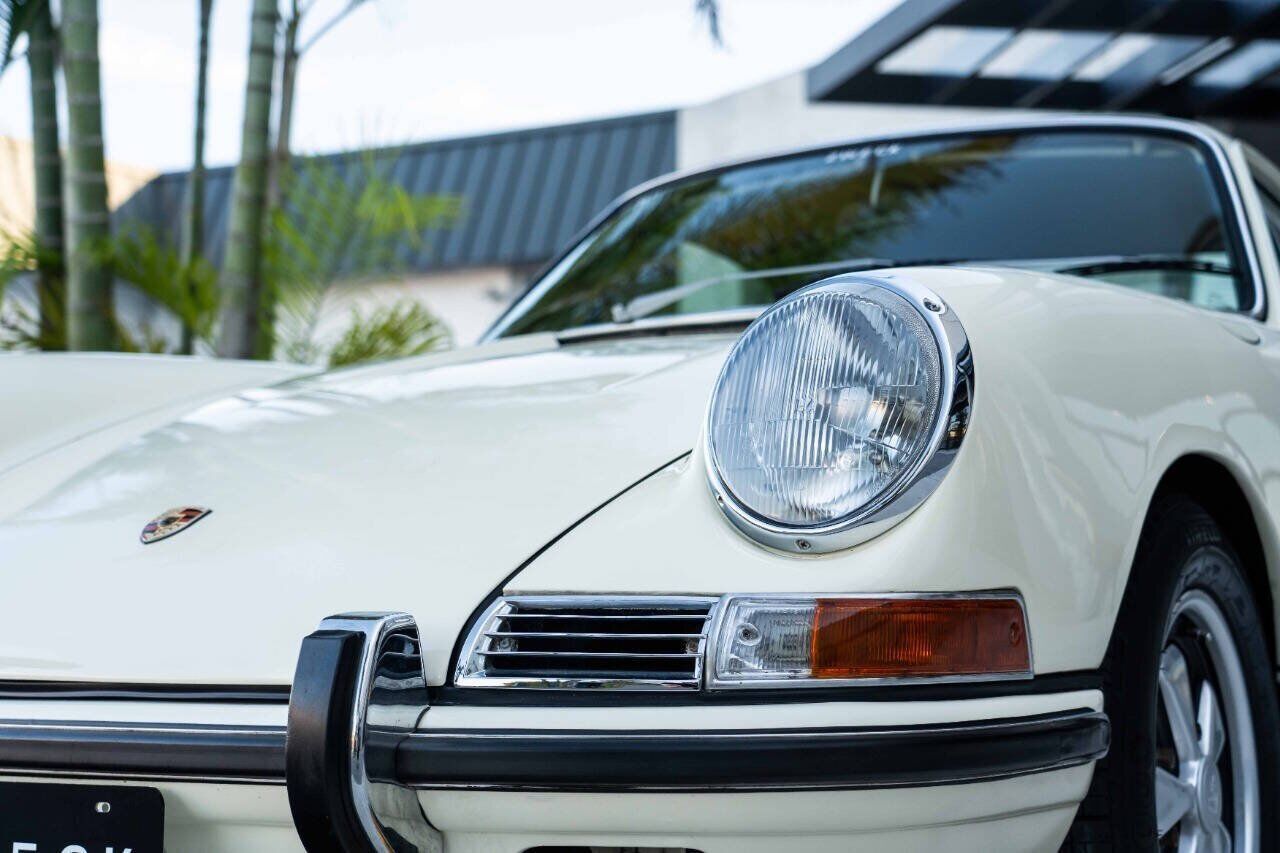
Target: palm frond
{"x":20,"y":318}
{"x":15,"y":19}
{"x":186,"y":289}
{"x":709,"y":11}
{"x":338,"y":226}
{"x":398,"y":330}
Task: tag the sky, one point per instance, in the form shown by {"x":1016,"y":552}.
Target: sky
{"x":395,"y":71}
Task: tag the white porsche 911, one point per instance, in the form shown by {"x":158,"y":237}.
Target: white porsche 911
{"x":919,"y":493}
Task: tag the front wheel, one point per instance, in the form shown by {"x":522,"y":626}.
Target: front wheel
{"x":1188,"y":686}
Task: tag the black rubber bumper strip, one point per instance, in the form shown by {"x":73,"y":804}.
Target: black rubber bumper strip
{"x":772,"y":760}
{"x":151,"y":751}
{"x":778,"y":760}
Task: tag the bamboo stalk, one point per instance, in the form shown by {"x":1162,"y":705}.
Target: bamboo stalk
{"x":51,"y":285}
{"x":242,"y":281}
{"x":89,"y":297}
{"x":193,"y":220}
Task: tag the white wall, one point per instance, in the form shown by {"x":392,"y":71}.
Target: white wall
{"x":777,"y":115}
{"x":467,"y":300}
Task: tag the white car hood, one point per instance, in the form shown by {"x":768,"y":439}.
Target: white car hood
{"x":417,"y":486}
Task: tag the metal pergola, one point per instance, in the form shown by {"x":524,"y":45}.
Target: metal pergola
{"x":1209,"y":59}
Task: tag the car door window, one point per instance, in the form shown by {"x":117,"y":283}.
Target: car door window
{"x":1271,"y":207}
{"x":1266,"y":178}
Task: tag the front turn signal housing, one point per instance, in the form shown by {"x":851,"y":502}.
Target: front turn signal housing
{"x":805,"y":641}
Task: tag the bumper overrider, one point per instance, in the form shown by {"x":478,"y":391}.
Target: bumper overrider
{"x":354,"y":754}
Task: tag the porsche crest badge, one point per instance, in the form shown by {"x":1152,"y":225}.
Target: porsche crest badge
{"x":174,"y":521}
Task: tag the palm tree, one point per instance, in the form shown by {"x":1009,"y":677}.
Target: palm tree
{"x":291,"y":54}
{"x":242,"y":327}
{"x":709,"y":10}
{"x":35,"y":19}
{"x":192,"y":246}
{"x":89,"y":309}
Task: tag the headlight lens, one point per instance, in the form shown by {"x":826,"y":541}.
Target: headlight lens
{"x":827,"y":404}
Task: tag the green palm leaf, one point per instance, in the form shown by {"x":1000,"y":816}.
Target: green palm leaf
{"x":15,"y":19}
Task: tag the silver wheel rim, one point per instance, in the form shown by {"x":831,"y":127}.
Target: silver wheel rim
{"x":1206,"y":784}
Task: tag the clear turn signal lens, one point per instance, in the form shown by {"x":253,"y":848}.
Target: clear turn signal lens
{"x":812,"y":641}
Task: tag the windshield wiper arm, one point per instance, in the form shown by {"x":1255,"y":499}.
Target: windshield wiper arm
{"x":1136,"y":263}
{"x":650,"y":303}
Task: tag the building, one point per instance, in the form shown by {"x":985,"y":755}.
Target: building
{"x":1213,"y":60}
{"x":927,"y":62}
{"x":17,"y":185}
{"x":523,"y":195}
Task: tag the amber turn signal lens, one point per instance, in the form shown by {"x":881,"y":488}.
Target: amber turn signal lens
{"x":912,"y":637}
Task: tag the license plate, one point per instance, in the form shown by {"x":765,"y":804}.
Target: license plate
{"x":38,"y":818}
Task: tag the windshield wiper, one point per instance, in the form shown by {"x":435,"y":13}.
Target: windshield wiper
{"x":1137,"y":263}
{"x":650,"y":303}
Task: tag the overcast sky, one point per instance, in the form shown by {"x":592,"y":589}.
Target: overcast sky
{"x":402,"y":70}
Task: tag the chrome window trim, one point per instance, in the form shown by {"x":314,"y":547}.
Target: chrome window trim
{"x":1214,"y":140}
{"x":465,"y":675}
{"x":1264,"y":176}
{"x":715,"y":683}
{"x":724,"y":322}
{"x":955,"y":405}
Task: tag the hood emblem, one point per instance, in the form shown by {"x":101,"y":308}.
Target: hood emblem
{"x":173,"y":521}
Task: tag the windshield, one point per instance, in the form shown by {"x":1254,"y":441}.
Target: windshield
{"x":1137,"y":209}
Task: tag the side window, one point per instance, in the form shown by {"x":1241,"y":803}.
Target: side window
{"x":1271,"y":206}
{"x":1266,"y":178}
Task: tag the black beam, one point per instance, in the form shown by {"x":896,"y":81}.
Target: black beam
{"x":1134,"y":80}
{"x":957,"y":92}
{"x":1186,"y":96}
{"x":827,"y":79}
{"x":1184,"y":17}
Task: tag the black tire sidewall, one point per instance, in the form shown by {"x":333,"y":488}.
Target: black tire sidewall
{"x":1120,"y":810}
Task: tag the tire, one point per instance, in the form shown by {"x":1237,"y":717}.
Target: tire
{"x":1184,"y":571}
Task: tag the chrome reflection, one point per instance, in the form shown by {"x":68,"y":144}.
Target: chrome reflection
{"x":360,"y":689}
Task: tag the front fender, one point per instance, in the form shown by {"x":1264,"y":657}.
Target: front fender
{"x":1085,"y":394}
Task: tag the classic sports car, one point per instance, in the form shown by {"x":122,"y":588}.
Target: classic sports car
{"x":917,"y":493}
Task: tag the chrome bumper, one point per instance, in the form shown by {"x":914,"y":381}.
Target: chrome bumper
{"x":354,"y":752}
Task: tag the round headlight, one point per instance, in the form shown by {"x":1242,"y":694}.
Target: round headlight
{"x":831,"y":407}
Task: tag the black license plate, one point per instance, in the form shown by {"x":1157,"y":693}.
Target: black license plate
{"x":39,"y":818}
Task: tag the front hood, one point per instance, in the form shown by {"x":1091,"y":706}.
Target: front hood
{"x":417,"y":486}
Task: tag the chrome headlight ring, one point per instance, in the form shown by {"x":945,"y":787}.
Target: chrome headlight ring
{"x":918,"y":479}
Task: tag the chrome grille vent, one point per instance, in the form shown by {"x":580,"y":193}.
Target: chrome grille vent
{"x":628,"y":642}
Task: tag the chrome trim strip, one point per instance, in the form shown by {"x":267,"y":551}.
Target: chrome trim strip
{"x":724,"y":322}
{"x":543,"y":759}
{"x":642,"y":655}
{"x":1207,"y":136}
{"x":468,"y":673}
{"x":595,"y":636}
{"x":143,"y":751}
{"x":138,"y":728}
{"x":248,"y":694}
{"x":955,"y":403}
{"x":714,"y":682}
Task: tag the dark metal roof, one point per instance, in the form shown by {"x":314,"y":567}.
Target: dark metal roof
{"x":1202,"y":58}
{"x":524,"y":193}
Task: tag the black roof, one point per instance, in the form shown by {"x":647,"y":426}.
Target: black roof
{"x":524,"y":193}
{"x":1196,"y":58}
